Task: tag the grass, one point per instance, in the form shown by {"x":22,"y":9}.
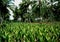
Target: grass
{"x":30,"y":32}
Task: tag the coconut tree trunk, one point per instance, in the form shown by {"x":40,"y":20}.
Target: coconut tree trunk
{"x":39,"y":5}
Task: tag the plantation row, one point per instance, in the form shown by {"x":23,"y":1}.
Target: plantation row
{"x":30,"y":32}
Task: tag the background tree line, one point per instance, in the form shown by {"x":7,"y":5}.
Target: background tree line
{"x":39,"y":10}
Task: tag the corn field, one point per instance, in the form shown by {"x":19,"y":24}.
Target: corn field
{"x":30,"y":32}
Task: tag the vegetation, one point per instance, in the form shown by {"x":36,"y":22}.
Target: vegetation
{"x":3,"y":9}
{"x":30,"y":32}
{"x":44,"y":9}
{"x":31,"y":27}
{"x":47,"y":10}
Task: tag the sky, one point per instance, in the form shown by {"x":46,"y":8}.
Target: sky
{"x":17,"y":2}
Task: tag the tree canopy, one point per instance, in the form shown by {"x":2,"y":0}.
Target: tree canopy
{"x":47,"y":9}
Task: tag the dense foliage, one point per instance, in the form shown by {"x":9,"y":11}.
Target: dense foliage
{"x":30,"y":32}
{"x":48,"y":10}
{"x":3,"y":9}
{"x":30,"y":11}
